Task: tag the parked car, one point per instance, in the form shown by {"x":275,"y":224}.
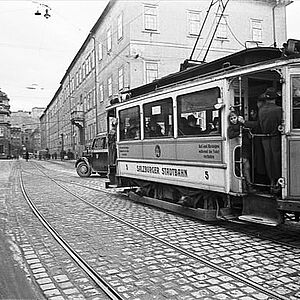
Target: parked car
{"x":95,"y":159}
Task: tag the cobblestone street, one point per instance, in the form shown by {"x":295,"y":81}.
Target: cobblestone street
{"x":140,"y":251}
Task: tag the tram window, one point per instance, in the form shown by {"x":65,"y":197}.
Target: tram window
{"x":130,"y":123}
{"x":158,"y":119}
{"x":296,"y":101}
{"x":197,"y":115}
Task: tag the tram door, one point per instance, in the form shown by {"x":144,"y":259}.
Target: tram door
{"x":293,"y":137}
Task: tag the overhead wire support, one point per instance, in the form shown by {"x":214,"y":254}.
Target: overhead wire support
{"x":220,"y":18}
{"x":212,"y":3}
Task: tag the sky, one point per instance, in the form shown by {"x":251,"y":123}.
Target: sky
{"x":35,"y":52}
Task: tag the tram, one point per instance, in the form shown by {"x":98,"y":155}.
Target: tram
{"x":201,"y":168}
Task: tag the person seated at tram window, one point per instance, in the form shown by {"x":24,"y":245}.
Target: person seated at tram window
{"x":215,"y":126}
{"x":182,"y":125}
{"x":133,"y":129}
{"x":192,"y":127}
{"x":153,"y":129}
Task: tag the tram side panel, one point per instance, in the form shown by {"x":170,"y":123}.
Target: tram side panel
{"x":196,"y":164}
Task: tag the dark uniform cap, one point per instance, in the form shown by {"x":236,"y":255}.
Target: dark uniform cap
{"x":270,"y":94}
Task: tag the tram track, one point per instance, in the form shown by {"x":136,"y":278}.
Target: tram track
{"x":260,"y":231}
{"x":241,"y":278}
{"x":101,"y":283}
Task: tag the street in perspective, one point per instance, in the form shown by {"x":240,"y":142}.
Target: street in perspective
{"x":102,"y":241}
{"x":150,"y":150}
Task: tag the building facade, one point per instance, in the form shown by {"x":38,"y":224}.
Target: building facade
{"x":25,"y":130}
{"x":5,"y":138}
{"x":135,"y":42}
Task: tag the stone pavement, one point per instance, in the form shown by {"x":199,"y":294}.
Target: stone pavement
{"x":38,"y":267}
{"x":137,"y":265}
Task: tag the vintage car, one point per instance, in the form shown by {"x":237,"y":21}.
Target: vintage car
{"x":94,"y":159}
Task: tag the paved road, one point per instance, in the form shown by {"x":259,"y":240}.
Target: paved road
{"x":138,"y":266}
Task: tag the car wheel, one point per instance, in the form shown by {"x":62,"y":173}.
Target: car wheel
{"x":83,"y":170}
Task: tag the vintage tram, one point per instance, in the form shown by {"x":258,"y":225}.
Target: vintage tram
{"x":200,"y":168}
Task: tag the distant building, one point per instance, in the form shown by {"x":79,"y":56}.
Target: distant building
{"x":5,"y":139}
{"x":135,"y":42}
{"x":16,"y":141}
{"x":29,"y":125}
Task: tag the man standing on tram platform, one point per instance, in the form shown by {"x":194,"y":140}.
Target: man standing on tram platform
{"x":269,"y":120}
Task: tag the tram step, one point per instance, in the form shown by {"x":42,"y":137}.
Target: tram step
{"x":261,"y":209}
{"x":260,"y":220}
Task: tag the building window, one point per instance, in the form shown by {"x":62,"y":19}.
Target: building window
{"x":80,"y":75}
{"x":101,"y":92}
{"x":150,"y":17}
{"x":108,"y":40}
{"x":83,"y":71}
{"x":76,"y":80}
{"x":193,"y":22}
{"x":256,"y":29}
{"x":93,"y":59}
{"x":100,"y":51}
{"x":88,"y":65}
{"x":121,"y":78}
{"x":120,"y":26}
{"x":109,"y":83}
{"x":1,"y":132}
{"x":151,"y":71}
{"x":222,"y":29}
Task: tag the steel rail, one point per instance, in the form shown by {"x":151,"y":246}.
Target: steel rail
{"x":110,"y":292}
{"x":224,"y":222}
{"x":204,"y":261}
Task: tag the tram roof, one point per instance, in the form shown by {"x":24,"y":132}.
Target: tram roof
{"x":190,"y":69}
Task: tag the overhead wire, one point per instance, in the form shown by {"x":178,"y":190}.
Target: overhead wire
{"x":208,"y":35}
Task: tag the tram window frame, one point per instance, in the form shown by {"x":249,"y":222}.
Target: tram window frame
{"x":295,"y":105}
{"x":199,"y":105}
{"x":130,"y":117}
{"x":160,"y":114}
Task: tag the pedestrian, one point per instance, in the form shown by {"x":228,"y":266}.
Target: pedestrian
{"x":234,"y":129}
{"x":27,"y":155}
{"x":269,"y":122}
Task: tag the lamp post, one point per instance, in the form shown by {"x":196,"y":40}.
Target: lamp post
{"x":62,"y":146}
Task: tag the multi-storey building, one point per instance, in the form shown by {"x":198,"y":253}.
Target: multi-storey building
{"x":5,"y":140}
{"x":29,"y":129}
{"x":16,"y":141}
{"x":135,"y":42}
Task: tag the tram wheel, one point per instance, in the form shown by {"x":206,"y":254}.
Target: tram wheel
{"x":83,"y":170}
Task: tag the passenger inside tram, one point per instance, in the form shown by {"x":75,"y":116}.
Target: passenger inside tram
{"x":153,"y":129}
{"x":133,"y":129}
{"x":192,"y":128}
{"x":215,"y":126}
